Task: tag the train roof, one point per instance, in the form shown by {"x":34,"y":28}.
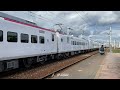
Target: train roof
{"x":4,"y":15}
{"x":13,"y":18}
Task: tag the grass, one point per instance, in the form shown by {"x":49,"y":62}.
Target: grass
{"x":116,"y":50}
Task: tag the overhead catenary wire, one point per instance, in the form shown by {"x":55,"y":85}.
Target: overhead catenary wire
{"x":54,"y":22}
{"x":57,"y":16}
{"x":43,"y":18}
{"x":66,"y":25}
{"x":49,"y":19}
{"x":64,"y":20}
{"x":83,"y":19}
{"x":90,"y":20}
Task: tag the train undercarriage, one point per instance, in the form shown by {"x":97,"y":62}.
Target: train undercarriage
{"x":27,"y":62}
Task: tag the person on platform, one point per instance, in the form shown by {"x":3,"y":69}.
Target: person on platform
{"x":102,"y":50}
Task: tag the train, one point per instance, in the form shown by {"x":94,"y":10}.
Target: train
{"x":23,"y":43}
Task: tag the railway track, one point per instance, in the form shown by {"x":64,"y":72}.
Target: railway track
{"x":43,"y":71}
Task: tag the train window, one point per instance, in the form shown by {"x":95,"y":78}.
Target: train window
{"x":12,"y":36}
{"x":52,"y":37}
{"x":33,"y":39}
{"x":1,"y":35}
{"x":67,"y":39}
{"x":24,"y":38}
{"x":75,"y":42}
{"x":72,"y":42}
{"x":84,"y":43}
{"x":61,"y":40}
{"x":41,"y":39}
{"x":47,"y":40}
{"x":81,"y":43}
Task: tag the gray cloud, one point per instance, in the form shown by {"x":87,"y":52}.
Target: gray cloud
{"x":87,"y":21}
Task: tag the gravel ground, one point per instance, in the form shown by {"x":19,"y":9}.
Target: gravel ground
{"x":45,"y":70}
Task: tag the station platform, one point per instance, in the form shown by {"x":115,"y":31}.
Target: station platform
{"x":110,"y":68}
{"x":96,"y":67}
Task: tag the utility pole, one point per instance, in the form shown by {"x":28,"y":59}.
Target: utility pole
{"x":114,"y":44}
{"x":119,"y":45}
{"x":110,"y":45}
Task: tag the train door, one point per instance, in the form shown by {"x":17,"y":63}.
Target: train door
{"x":53,"y":42}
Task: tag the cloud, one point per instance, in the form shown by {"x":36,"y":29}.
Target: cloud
{"x":91,"y":22}
{"x":108,"y":18}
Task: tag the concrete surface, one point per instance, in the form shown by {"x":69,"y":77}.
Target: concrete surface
{"x":86,"y":69}
{"x":110,"y":68}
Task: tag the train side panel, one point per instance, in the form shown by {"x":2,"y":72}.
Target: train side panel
{"x":9,"y":50}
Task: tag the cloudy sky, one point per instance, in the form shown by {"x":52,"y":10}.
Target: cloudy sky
{"x":95,"y":23}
